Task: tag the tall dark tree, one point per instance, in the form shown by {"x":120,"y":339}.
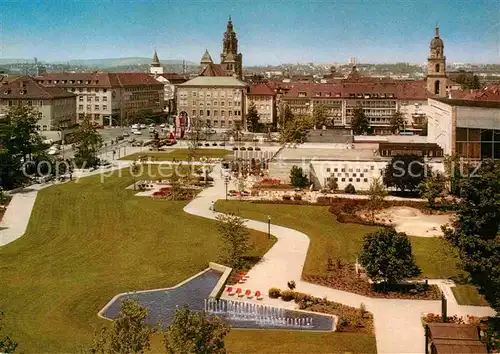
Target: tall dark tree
{"x":360,"y":123}
{"x":432,"y":187}
{"x":397,"y":122}
{"x":298,"y":178}
{"x":286,"y":115}
{"x":194,"y":332}
{"x":296,"y":130}
{"x":320,"y":114}
{"x":252,"y":117}
{"x":87,"y":143}
{"x":406,"y":172}
{"x":387,"y":256}
{"x":476,"y":229}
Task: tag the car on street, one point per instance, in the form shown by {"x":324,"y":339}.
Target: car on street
{"x":137,"y":132}
{"x":125,"y":134}
{"x":142,"y":126}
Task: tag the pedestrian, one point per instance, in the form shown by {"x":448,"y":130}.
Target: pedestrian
{"x":212,"y":206}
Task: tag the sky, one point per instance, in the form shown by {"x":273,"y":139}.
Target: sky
{"x":269,"y":32}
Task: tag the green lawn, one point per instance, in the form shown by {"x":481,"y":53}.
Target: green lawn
{"x":331,"y":238}
{"x":178,"y":154}
{"x":299,"y":342}
{"x":468,"y":295}
{"x":87,"y":242}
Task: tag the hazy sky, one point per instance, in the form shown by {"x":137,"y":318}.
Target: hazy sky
{"x":269,"y":32}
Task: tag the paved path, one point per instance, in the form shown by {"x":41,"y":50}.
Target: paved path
{"x":397,"y":322}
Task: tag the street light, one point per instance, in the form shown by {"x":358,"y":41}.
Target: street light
{"x":226,"y":182}
{"x":268,"y":227}
{"x":1,"y":195}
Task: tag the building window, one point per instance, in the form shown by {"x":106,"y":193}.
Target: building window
{"x":215,"y":103}
{"x":96,"y":107}
{"x":89,"y":107}
{"x":104,"y":90}
{"x":365,"y":180}
{"x":437,"y":68}
{"x":105,"y":98}
{"x":96,"y":117}
{"x":216,"y":113}
{"x":80,"y":98}
{"x":104,"y":107}
{"x":357,"y":179}
{"x":222,"y":104}
{"x":193,"y":93}
{"x":97,"y":98}
{"x":201,"y":112}
{"x":230,"y":113}
{"x":80,"y":107}
{"x":222,"y":113}
{"x":436,"y":87}
{"x":208,"y":112}
{"x":342,"y":179}
{"x":194,"y":112}
{"x":350,"y":179}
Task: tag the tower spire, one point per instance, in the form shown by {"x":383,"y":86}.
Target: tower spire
{"x":436,"y":34}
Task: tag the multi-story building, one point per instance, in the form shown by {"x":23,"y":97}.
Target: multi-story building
{"x":56,"y":107}
{"x":468,"y":127}
{"x":110,"y":98}
{"x":216,"y":100}
{"x":264,"y":99}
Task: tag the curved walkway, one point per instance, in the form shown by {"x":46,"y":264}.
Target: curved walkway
{"x":397,"y":322}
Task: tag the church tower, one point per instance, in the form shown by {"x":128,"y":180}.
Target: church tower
{"x":155,"y":67}
{"x":231,"y":60}
{"x":436,"y":67}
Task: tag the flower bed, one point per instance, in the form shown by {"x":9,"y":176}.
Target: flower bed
{"x":437,"y":318}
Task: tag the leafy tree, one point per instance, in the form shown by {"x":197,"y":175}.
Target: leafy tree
{"x":194,"y":332}
{"x":195,"y":133}
{"x":129,"y":333}
{"x":387,"y":256}
{"x":296,"y":130}
{"x":432,"y":187}
{"x":297,"y":177}
{"x":332,"y":184}
{"x":476,"y":229}
{"x":360,"y":123}
{"x":87,"y":143}
{"x":252,"y":117}
{"x":468,"y":82}
{"x":397,"y":122}
{"x":320,"y":114}
{"x":234,"y":235}
{"x":7,"y":344}
{"x":405,"y":172}
{"x":425,"y":128}
{"x":376,"y":195}
{"x":286,"y":115}
{"x":349,"y":189}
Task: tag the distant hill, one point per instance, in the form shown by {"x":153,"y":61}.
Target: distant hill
{"x":100,"y":63}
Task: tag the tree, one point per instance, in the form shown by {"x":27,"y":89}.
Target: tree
{"x":360,"y":123}
{"x":432,"y":187}
{"x":349,"y":189}
{"x":252,"y":117}
{"x":387,"y":256}
{"x":319,"y":115}
{"x":286,"y":115}
{"x":332,"y":184}
{"x":405,"y":172}
{"x":193,"y":332}
{"x":129,"y":333}
{"x":476,"y":229}
{"x":195,"y":132}
{"x":87,"y":144}
{"x":397,"y":122}
{"x":297,"y":177}
{"x":296,"y":130}
{"x":234,"y":235}
{"x":376,"y":195}
{"x":7,"y":344}
{"x":468,"y":81}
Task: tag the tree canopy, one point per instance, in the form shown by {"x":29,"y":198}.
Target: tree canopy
{"x":252,"y":117}
{"x":320,"y":114}
{"x":193,"y":332}
{"x":360,"y":123}
{"x":432,"y":187}
{"x":87,"y":144}
{"x":297,"y":177}
{"x":387,"y":256}
{"x":397,"y":122}
{"x":296,"y":130}
{"x":405,"y":172}
{"x":476,"y":229}
{"x":234,"y":236}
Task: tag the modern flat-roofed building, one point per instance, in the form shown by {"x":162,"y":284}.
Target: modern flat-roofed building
{"x":468,"y":128}
{"x":110,"y":98}
{"x":56,"y":107}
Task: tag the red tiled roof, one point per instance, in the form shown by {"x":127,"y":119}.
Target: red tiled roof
{"x":214,"y":70}
{"x":261,"y":89}
{"x":25,"y":87}
{"x":489,"y":93}
{"x":174,"y":76}
{"x":134,"y":79}
{"x":88,"y":79}
{"x":397,"y":89}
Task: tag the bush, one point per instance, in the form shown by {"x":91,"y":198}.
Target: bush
{"x":287,"y":295}
{"x":349,"y":189}
{"x":297,"y":197}
{"x":287,"y":197}
{"x":291,"y":284}
{"x":303,"y":297}
{"x":274,"y":293}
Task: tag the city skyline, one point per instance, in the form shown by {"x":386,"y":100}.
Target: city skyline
{"x":321,"y":32}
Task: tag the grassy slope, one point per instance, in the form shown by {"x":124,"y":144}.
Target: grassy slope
{"x":344,"y":241}
{"x":85,"y":243}
{"x":468,"y":295}
{"x":268,"y":341}
{"x":179,"y":154}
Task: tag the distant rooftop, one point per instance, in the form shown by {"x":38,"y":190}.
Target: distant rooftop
{"x":214,"y":81}
{"x":469,"y":103}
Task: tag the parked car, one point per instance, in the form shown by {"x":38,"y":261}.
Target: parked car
{"x":257,"y":148}
{"x":137,"y":132}
{"x":243,"y":148}
{"x":163,"y":125}
{"x":125,"y":134}
{"x":214,"y":144}
{"x":120,"y":137}
{"x":250,"y":148}
{"x":222,"y":144}
{"x":142,"y":126}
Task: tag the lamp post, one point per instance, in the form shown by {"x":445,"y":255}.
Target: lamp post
{"x":1,"y":195}
{"x":226,"y":182}
{"x":268,"y":227}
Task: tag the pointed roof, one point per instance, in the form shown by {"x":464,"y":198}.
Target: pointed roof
{"x":206,"y":58}
{"x":213,"y":70}
{"x":155,"y":58}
